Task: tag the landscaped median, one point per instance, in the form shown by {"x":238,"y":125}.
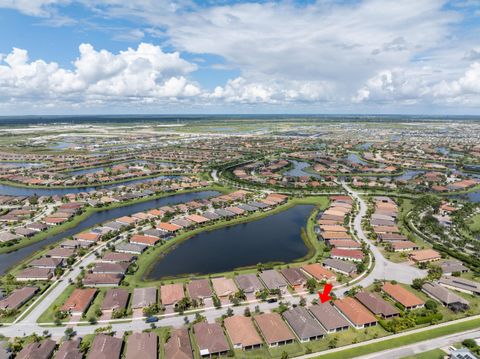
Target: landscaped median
{"x":403,"y":339}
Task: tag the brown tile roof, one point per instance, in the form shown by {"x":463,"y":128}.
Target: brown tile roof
{"x":241,"y":331}
{"x":37,"y":350}
{"x":69,"y":350}
{"x":178,"y":345}
{"x":210,"y":338}
{"x":105,"y":347}
{"x":354,"y":311}
{"x":142,"y":344}
{"x":402,"y":295}
{"x":376,"y":304}
{"x":79,"y":300}
{"x":273,"y":328}
{"x":317,"y":271}
{"x":171,"y":293}
{"x":18,"y":297}
{"x":115,"y":299}
{"x":224,"y":286}
{"x":199,"y":288}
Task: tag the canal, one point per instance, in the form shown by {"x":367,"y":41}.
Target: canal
{"x":8,"y":260}
{"x":275,"y":238}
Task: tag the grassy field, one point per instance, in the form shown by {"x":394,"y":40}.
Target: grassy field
{"x":150,"y":257}
{"x":474,"y":223}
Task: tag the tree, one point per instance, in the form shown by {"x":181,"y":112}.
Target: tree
{"x":69,"y":333}
{"x":284,"y":355}
{"x":431,"y":305}
{"x":311,"y":285}
{"x":418,"y":283}
{"x":247,"y":312}
{"x":302,"y":302}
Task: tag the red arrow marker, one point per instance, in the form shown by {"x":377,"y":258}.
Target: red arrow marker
{"x":325,"y":297}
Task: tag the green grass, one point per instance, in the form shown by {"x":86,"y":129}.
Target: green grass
{"x":48,"y":315}
{"x":474,"y":223}
{"x":431,"y":354}
{"x":404,"y":340}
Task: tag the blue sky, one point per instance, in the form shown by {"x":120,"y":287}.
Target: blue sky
{"x":186,"y":56}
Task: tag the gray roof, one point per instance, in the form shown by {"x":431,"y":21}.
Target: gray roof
{"x":442,"y":294}
{"x":339,"y":265}
{"x":453,"y":266}
{"x":249,"y":283}
{"x":460,"y":283}
{"x":328,"y":316}
{"x":69,"y":350}
{"x":273,"y":279}
{"x":144,"y":297}
{"x":224,"y":213}
{"x":210,"y":215}
{"x":376,"y":305}
{"x":130,"y":247}
{"x":303,"y":324}
{"x":260,"y":205}
{"x":246,"y":207}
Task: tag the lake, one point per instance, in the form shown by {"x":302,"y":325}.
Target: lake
{"x":8,"y":260}
{"x":275,"y":238}
{"x":298,"y":170}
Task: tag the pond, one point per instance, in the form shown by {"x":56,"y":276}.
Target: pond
{"x":30,"y":191}
{"x":354,"y":158}
{"x":470,"y":197}
{"x":275,"y":238}
{"x":408,"y":175}
{"x":8,"y":260}
{"x":298,"y":170}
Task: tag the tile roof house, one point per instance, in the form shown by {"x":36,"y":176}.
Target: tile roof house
{"x":403,"y":296}
{"x":340,"y":266}
{"x":171,"y":294}
{"x":69,"y":349}
{"x":305,"y":327}
{"x":425,"y":255}
{"x":115,"y":299}
{"x":105,"y":347}
{"x":460,"y":284}
{"x":144,"y":297}
{"x":178,"y":345}
{"x":242,"y":333}
{"x":224,"y":287}
{"x":199,"y":289}
{"x":355,"y":313}
{"x":377,"y":305}
{"x":452,"y":266}
{"x":34,"y":274}
{"x":249,"y":283}
{"x":318,"y":272}
{"x":273,"y":329}
{"x":38,"y":350}
{"x":143,"y":344}
{"x":273,"y":280}
{"x":348,"y":254}
{"x":210,"y":339}
{"x":295,"y":277}
{"x":79,"y":301}
{"x":446,"y":297}
{"x":329,"y":317}
{"x":102,"y":279}
{"x":18,"y":297}
{"x":145,"y":240}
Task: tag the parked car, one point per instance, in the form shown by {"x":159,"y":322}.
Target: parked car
{"x":151,"y":320}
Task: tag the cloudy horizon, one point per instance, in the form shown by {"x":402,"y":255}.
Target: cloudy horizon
{"x":229,"y":56}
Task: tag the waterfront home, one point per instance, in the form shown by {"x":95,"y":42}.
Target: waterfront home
{"x":249,"y":283}
{"x":212,"y":216}
{"x":274,"y":280}
{"x":403,"y":296}
{"x":36,"y":226}
{"x":295,"y":277}
{"x":33,"y":274}
{"x":273,"y":329}
{"x":144,"y":297}
{"x":195,"y":218}
{"x":18,"y":297}
{"x":425,"y":256}
{"x":210,"y":339}
{"x":144,"y":343}
{"x":7,"y":237}
{"x":305,"y":327}
{"x":171,"y":294}
{"x":126,"y":220}
{"x":105,"y":346}
{"x":168,"y":227}
{"x":110,"y":268}
{"x":89,"y":237}
{"x":178,"y":345}
{"x":340,"y":266}
{"x":69,"y":349}
{"x":224,"y":288}
{"x":25,"y":232}
{"x":73,"y":244}
{"x":344,"y":244}
{"x":377,"y":305}
{"x":39,"y":350}
{"x":199,"y":289}
{"x":182,"y":222}
{"x":46,"y":262}
{"x":130,"y":248}
{"x":449,"y":299}
{"x":355,"y":313}
{"x":242,"y":332}
{"x":61,"y":253}
{"x":318,"y":272}
{"x":330,"y":319}
{"x":460,"y":284}
{"x":145,"y":240}
{"x":79,"y":301}
{"x":102,"y":279}
{"x":156,"y":233}
{"x":115,"y":299}
{"x":117,"y":257}
{"x":347,"y":254}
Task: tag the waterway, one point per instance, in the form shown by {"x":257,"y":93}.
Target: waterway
{"x":275,"y":238}
{"x":8,"y":260}
{"x":298,"y":170}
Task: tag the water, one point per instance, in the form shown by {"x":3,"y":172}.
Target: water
{"x":21,"y":164}
{"x":26,"y":191}
{"x":365,"y":146}
{"x":8,"y":260}
{"x":408,"y":175}
{"x":298,"y":170}
{"x":101,"y":168}
{"x":470,"y":197}
{"x":443,"y":150}
{"x":85,"y":171}
{"x":272,"y":239}
{"x":354,"y":158}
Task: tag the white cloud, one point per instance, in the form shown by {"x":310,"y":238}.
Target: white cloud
{"x":132,"y":75}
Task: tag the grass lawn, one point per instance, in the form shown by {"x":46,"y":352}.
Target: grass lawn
{"x":401,"y":341}
{"x":474,"y":223}
{"x":48,"y":315}
{"x":431,"y":354}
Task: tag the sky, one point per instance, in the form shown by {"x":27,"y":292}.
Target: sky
{"x":233,"y":56}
